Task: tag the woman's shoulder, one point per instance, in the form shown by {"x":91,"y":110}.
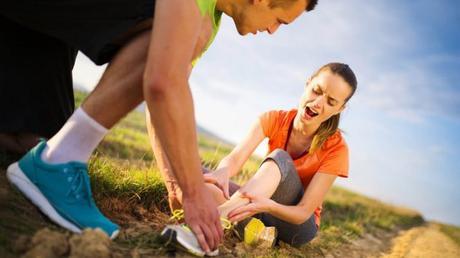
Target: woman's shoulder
{"x":335,"y":141}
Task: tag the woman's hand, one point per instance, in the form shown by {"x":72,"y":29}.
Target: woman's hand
{"x":220,"y":178}
{"x":257,"y":204}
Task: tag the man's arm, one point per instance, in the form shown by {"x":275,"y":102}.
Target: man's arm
{"x":176,"y":28}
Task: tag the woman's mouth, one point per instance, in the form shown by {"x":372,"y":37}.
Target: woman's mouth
{"x":309,"y":113}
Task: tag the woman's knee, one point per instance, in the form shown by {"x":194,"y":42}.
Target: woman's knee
{"x":290,"y":189}
{"x":284,"y":162}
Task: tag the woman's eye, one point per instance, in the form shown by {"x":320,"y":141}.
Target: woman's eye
{"x":332,"y":103}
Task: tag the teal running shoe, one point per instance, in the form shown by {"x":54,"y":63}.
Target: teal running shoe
{"x":61,"y":191}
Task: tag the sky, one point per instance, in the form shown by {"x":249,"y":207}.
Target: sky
{"x":403,"y":124}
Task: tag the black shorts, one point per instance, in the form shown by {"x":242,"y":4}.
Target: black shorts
{"x":98,"y":28}
{"x":39,"y":40}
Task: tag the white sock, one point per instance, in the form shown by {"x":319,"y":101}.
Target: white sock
{"x":76,"y":140}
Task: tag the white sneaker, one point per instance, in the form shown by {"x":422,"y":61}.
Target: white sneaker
{"x":182,"y":237}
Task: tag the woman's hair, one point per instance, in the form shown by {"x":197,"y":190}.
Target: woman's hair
{"x":330,"y":126}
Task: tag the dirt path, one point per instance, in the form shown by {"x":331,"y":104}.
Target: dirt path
{"x":425,"y":241}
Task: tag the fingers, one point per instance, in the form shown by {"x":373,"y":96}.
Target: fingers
{"x":200,"y":237}
{"x":248,"y":195}
{"x":220,"y":230}
{"x":242,"y":209}
{"x":226,"y":192}
{"x":241,"y":216}
{"x":207,"y":229}
{"x":210,"y":235}
{"x":203,"y":218}
{"x":214,"y":181}
{"x":213,"y":232}
{"x":210,"y":179}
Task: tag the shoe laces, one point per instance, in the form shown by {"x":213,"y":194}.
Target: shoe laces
{"x":178,"y":215}
{"x":80,"y":187}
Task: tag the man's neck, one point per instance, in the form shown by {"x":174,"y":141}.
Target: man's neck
{"x":227,"y":6}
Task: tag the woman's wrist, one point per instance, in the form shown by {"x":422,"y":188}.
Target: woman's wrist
{"x":271,"y":206}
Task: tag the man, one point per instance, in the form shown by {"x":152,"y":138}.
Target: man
{"x":149,"y":60}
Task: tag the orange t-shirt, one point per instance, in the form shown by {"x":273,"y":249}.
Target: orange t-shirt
{"x":331,"y":158}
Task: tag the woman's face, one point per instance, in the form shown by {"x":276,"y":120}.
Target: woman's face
{"x":324,"y":96}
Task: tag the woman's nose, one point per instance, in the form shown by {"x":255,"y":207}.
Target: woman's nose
{"x":318,"y":102}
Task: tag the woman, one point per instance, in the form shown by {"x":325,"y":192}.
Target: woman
{"x":306,"y":154}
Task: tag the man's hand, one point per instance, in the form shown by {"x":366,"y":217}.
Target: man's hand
{"x":220,"y":178}
{"x":202,"y":217}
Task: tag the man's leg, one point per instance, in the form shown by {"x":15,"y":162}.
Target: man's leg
{"x":36,"y":94}
{"x":62,"y":191}
{"x":118,"y":92}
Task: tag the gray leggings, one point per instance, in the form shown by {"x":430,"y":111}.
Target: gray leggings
{"x":289,"y":192}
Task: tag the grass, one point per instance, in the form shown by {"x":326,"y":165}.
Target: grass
{"x":128,"y":188}
{"x":124,"y":167}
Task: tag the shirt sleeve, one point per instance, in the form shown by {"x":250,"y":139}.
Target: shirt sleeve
{"x":335,"y":160}
{"x":268,"y":122}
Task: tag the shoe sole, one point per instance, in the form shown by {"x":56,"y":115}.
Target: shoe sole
{"x":30,"y":190}
{"x":170,"y":237}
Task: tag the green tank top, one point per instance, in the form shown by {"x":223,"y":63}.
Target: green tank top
{"x":208,"y":7}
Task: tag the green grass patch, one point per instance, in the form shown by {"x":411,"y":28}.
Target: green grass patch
{"x":116,"y":179}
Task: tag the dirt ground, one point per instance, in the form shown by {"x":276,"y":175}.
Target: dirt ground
{"x":425,"y":241}
{"x":25,"y":232}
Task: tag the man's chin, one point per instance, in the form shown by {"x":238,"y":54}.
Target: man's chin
{"x":245,"y":33}
{"x":242,"y":31}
